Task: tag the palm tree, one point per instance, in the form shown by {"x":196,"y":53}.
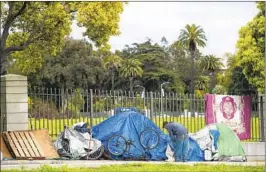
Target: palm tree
{"x":112,"y":63}
{"x":210,"y":63}
{"x":192,"y":37}
{"x":202,"y":83}
{"x":232,"y":61}
{"x":131,"y":68}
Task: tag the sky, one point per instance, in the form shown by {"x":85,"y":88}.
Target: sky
{"x":221,"y":22}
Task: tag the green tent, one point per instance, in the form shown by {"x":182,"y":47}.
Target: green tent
{"x":229,"y":144}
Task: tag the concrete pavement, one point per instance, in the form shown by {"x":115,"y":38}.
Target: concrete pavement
{"x":18,"y":164}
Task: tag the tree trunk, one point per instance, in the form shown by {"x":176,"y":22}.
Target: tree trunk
{"x":3,"y":65}
{"x":63,"y":100}
{"x":131,"y":84}
{"x":113,"y":81}
{"x":192,"y":73}
{"x":192,"y":84}
{"x":212,"y":81}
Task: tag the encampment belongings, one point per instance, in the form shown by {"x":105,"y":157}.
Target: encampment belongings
{"x":81,"y":127}
{"x":23,"y":145}
{"x":169,"y":154}
{"x":229,"y":145}
{"x":125,"y":109}
{"x":194,"y":151}
{"x":207,"y":155}
{"x":215,"y":142}
{"x":76,"y":145}
{"x":131,"y":135}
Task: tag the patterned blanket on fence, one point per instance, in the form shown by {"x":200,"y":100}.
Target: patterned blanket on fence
{"x":233,"y":111}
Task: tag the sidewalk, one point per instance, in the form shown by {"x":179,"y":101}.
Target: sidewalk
{"x":17,"y":164}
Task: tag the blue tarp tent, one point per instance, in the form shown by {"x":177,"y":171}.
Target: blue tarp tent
{"x":130,"y":124}
{"x":194,"y":151}
{"x":125,"y":109}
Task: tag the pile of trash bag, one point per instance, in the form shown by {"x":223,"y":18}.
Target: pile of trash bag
{"x":77,"y":143}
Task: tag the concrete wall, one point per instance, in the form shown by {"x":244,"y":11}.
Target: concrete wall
{"x":14,"y":102}
{"x":255,"y":151}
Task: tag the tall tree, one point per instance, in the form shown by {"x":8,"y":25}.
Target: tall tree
{"x":156,"y":63}
{"x":32,"y":30}
{"x":180,"y":61}
{"x":131,"y":68}
{"x":240,"y":84}
{"x":251,"y":47}
{"x":192,"y":36}
{"x":211,"y":64}
{"x":225,"y":78}
{"x":75,"y":67}
{"x":112,"y":62}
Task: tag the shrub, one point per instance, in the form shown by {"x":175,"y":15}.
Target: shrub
{"x":42,"y":109}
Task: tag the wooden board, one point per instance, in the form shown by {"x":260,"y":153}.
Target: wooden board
{"x":43,"y":139}
{"x":22,"y":144}
{"x":4,"y":150}
{"x":45,"y":142}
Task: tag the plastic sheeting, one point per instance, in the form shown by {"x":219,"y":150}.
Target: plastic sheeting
{"x":125,"y":109}
{"x":215,"y":136}
{"x":203,"y":138}
{"x":130,"y":125}
{"x":194,"y":151}
{"x":229,"y":144}
{"x":218,"y":140}
{"x":75,"y":145}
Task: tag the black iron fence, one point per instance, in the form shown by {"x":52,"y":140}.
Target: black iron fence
{"x":54,"y":108}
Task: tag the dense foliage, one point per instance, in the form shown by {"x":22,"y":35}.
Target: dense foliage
{"x":251,"y":47}
{"x":50,"y":59}
{"x":32,"y":30}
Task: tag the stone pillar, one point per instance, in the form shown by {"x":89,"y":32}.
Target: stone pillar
{"x":14,"y":102}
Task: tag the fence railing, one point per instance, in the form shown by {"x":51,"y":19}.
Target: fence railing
{"x":55,"y":108}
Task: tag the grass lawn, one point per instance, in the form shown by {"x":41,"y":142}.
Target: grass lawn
{"x":194,"y":124}
{"x":148,"y":168}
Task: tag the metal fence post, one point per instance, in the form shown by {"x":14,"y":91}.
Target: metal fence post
{"x":151,"y":107}
{"x":261,"y":117}
{"x":91,"y":113}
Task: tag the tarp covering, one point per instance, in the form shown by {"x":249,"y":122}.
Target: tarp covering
{"x":194,"y":151}
{"x":229,"y":144}
{"x":125,"y":109}
{"x":130,"y":125}
{"x":217,"y":139}
{"x":76,"y":145}
{"x":213,"y":142}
